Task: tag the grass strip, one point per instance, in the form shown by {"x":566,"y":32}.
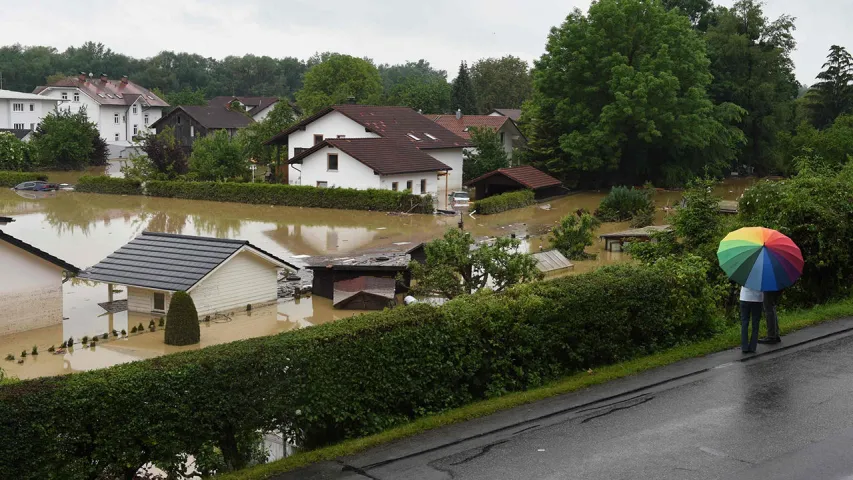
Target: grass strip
{"x":789,"y":321}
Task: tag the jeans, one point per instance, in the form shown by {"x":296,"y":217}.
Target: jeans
{"x":747,"y":310}
{"x":770,"y":301}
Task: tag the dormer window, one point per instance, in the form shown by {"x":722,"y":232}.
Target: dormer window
{"x":413,"y":137}
{"x":430,"y":136}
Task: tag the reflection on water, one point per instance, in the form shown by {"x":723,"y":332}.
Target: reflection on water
{"x":84,"y":228}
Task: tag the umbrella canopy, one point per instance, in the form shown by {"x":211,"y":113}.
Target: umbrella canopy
{"x":760,"y":258}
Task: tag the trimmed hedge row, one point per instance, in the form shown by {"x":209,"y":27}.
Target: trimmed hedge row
{"x":10,"y":179}
{"x":111,"y":185}
{"x":348,"y":378}
{"x":504,"y":202}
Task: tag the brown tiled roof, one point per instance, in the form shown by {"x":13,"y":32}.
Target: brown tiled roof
{"x":513,"y":113}
{"x":526,"y":175}
{"x":383,"y":155}
{"x":460,"y":126}
{"x":401,"y":124}
{"x":211,"y":117}
{"x":114,"y":91}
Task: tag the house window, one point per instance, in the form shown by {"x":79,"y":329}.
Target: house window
{"x":145,"y":121}
{"x":65,"y":95}
{"x":298,"y":150}
{"x":322,"y":184}
{"x":134,"y":109}
{"x":160,"y":302}
{"x":395,"y":186}
{"x":192,"y":130}
{"x":124,"y":119}
{"x":136,"y":129}
{"x":32,"y":126}
{"x":32,"y":107}
{"x":423,"y":185}
{"x":76,"y":96}
{"x":502,"y":137}
{"x":17,"y":107}
{"x":178,"y":119}
{"x":409,"y":185}
{"x":19,"y":126}
{"x":318,"y":139}
{"x":115,"y":118}
{"x":116,"y":137}
{"x":332,"y":162}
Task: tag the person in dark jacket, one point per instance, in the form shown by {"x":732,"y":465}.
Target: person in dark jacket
{"x":771,"y":299}
{"x":751,"y":302}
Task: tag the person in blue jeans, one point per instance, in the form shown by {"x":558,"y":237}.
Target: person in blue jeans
{"x":751,"y":305}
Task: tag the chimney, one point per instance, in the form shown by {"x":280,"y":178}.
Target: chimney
{"x":104,"y":77}
{"x":124,"y":79}
{"x":351,"y":100}
{"x":458,"y":114}
{"x":82,"y":77}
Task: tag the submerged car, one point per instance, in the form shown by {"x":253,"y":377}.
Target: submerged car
{"x":36,"y":186}
{"x":459,"y":199}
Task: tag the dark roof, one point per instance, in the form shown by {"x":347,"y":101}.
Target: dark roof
{"x":37,"y":252}
{"x":401,"y":124}
{"x":115,"y":92}
{"x":460,"y":126}
{"x":211,"y":117}
{"x":164,"y":261}
{"x":383,"y":288}
{"x":387,"y":261}
{"x":4,"y":220}
{"x":513,"y":113}
{"x":19,"y":133}
{"x":255,"y":104}
{"x":383,"y":155}
{"x":525,"y":175}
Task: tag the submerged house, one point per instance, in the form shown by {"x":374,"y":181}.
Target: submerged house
{"x":525,"y":177}
{"x":219,"y":274}
{"x":364,"y":293}
{"x":329,"y":271}
{"x":30,"y":285}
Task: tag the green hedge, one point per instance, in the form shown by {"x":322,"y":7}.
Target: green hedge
{"x":504,"y":202}
{"x":624,"y":203}
{"x":348,"y":378}
{"x":292,"y":195}
{"x":111,"y":185}
{"x":10,"y":179}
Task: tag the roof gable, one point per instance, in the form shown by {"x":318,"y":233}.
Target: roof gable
{"x":461,"y":126}
{"x":109,"y":92}
{"x":383,"y":155}
{"x":37,"y":252}
{"x":526,"y":175}
{"x":210,"y":117}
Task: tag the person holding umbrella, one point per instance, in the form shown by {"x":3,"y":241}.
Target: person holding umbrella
{"x":760,"y":260}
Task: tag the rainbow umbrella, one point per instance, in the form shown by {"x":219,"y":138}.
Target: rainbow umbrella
{"x":760,"y":258}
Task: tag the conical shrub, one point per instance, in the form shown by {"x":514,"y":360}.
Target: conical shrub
{"x":182,"y":321}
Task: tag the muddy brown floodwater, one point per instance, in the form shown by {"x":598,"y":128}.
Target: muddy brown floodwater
{"x":84,"y":228}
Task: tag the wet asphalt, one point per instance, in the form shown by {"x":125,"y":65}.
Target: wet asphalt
{"x":787,"y":414}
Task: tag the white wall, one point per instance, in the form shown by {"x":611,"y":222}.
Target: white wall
{"x":260,"y":116}
{"x":452,"y":157}
{"x":30,"y":119}
{"x":30,"y":291}
{"x":142,"y":300}
{"x":401,"y":179}
{"x":242,"y":280}
{"x":92,"y":107}
{"x":350,"y":174}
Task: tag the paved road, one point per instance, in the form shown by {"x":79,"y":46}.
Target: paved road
{"x":787,"y":414}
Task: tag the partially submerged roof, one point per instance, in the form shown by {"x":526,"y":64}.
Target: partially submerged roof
{"x":461,"y":126}
{"x":383,"y":288}
{"x":211,"y":117}
{"x":644,"y":232}
{"x":383,"y":155}
{"x":513,"y":113}
{"x":108,"y":92}
{"x":728,"y":206}
{"x":164,"y":261}
{"x":551,"y":261}
{"x":397,"y":262}
{"x":19,"y":133}
{"x":37,"y":252}
{"x":525,"y":175}
{"x":400,"y":124}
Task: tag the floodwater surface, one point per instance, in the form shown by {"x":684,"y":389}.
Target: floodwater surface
{"x":83,"y":228}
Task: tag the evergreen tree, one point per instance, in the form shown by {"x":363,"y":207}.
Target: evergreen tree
{"x":462,"y":94}
{"x":832,"y":96}
{"x":182,"y":321}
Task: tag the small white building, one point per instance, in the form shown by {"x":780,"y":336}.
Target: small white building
{"x":30,"y":285}
{"x":120,"y":108}
{"x":23,"y":111}
{"x":399,"y":132}
{"x":219,"y":274}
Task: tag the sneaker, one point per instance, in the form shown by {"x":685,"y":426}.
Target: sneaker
{"x":770,"y":340}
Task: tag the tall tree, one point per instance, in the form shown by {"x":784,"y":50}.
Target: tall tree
{"x":416,"y":85}
{"x":620,"y":96}
{"x":252,"y":138}
{"x":337,"y":79}
{"x":752,"y":68}
{"x":832,"y":96}
{"x":462,"y":96}
{"x":487,"y":155}
{"x":68,"y":141}
{"x":501,"y":82}
{"x":217,"y":157}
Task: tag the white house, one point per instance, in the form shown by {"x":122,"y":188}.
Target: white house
{"x":23,"y":111}
{"x":510,"y":135}
{"x":219,"y":274}
{"x":30,"y":285}
{"x":257,"y":107}
{"x":120,"y":108}
{"x":376,"y":147}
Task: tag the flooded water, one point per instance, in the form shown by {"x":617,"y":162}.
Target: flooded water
{"x":84,"y":228}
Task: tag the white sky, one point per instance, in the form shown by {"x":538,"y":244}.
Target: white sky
{"x":443,"y":32}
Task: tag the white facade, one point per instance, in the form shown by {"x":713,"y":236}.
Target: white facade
{"x":244,"y":279}
{"x":30,"y":291}
{"x":261,"y":115}
{"x":452,"y":157}
{"x":23,"y":110}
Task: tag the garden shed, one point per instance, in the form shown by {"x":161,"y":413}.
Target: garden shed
{"x":330,"y":270}
{"x":552,"y":262}
{"x":615,"y":242}
{"x":364,"y":293}
{"x":525,"y":177}
{"x":219,"y":274}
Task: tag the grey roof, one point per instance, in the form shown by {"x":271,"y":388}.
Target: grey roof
{"x":164,"y":261}
{"x":644,"y":232}
{"x":210,"y":117}
{"x":376,"y":261}
{"x":37,"y":252}
{"x":19,"y":133}
{"x":551,"y":260}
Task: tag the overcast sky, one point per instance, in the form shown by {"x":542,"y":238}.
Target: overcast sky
{"x":389,"y":31}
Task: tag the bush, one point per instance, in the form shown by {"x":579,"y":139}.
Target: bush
{"x":110,"y":185}
{"x":573,"y":234}
{"x":293,"y":196}
{"x":15,"y":154}
{"x":10,"y":179}
{"x":182,"y":325}
{"x":623,"y":203}
{"x":503,"y":202}
{"x":346,"y":379}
